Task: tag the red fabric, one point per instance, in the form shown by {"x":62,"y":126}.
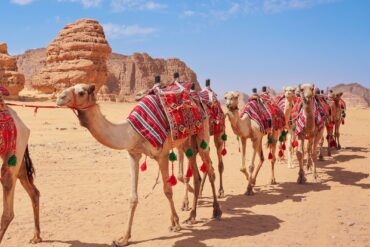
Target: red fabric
{"x":275,"y":113}
{"x":257,"y":112}
{"x":4,"y":91}
{"x":8,"y":132}
{"x":301,"y":119}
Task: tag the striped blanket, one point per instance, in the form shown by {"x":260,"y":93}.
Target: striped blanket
{"x":213,"y":110}
{"x":8,"y":132}
{"x":300,"y":122}
{"x":280,"y":101}
{"x":277,"y":116}
{"x":256,"y":110}
{"x":149,"y":120}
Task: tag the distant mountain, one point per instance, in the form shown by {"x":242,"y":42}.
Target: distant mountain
{"x":354,"y":94}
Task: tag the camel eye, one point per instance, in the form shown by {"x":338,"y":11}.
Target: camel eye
{"x":81,"y":93}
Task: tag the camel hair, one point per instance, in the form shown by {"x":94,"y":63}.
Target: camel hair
{"x":122,"y":136}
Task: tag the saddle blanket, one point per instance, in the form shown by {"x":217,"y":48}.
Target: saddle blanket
{"x":214,"y":111}
{"x":277,"y":116}
{"x":300,"y":117}
{"x":258,"y":113}
{"x":149,"y":120}
{"x":8,"y":132}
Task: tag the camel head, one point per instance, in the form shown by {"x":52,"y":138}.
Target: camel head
{"x":79,"y":97}
{"x":232,"y":100}
{"x":307,"y":91}
{"x":289,"y":92}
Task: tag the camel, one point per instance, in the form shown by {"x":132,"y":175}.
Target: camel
{"x":338,"y":114}
{"x":311,"y":132}
{"x":245,"y":128}
{"x":287,"y":107}
{"x":123,"y":136}
{"x":23,"y":170}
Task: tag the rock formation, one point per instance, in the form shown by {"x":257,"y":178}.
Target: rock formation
{"x":30,"y":63}
{"x":9,"y":75}
{"x":77,"y":55}
{"x":129,"y":75}
{"x":354,"y":94}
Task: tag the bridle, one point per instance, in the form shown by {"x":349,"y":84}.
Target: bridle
{"x":78,"y":107}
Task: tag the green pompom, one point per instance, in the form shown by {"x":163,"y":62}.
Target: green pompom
{"x":12,"y":161}
{"x":284,"y":133}
{"x":224,"y":137}
{"x":189,"y":153}
{"x":281,"y":138}
{"x":172,"y":156}
{"x":203,"y":145}
{"x":294,"y":127}
{"x":269,"y":140}
{"x":237,"y":138}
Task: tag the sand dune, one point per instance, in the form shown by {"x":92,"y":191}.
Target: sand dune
{"x":85,"y":194}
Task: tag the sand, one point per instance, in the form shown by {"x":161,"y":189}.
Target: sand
{"x":85,"y":194}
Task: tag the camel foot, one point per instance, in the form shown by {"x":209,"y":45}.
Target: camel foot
{"x":175,"y":228}
{"x":217,"y":213}
{"x":301,"y":179}
{"x":185,"y":206}
{"x":290,"y":166}
{"x":191,"y":219}
{"x":249,"y":191}
{"x":181,"y":178}
{"x":273,"y":181}
{"x":121,"y":242}
{"x":339,"y":147}
{"x":244,"y":171}
{"x":221,"y":193}
{"x":35,"y":240}
{"x":321,"y":158}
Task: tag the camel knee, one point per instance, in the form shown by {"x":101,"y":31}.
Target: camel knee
{"x":7,"y":218}
{"x":7,"y":182}
{"x":134,"y":201}
{"x":251,"y":169}
{"x":168,"y":194}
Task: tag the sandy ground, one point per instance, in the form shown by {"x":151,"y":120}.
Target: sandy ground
{"x":85,"y":194}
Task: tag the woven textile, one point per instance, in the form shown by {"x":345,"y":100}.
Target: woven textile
{"x":300,"y":121}
{"x":258,"y":113}
{"x":149,"y":120}
{"x":8,"y":132}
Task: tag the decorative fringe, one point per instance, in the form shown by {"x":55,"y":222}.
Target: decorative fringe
{"x":204,"y":167}
{"x":189,"y":172}
{"x":295,"y":144}
{"x":283,"y":147}
{"x":224,"y":151}
{"x":333,"y":143}
{"x":270,"y":156}
{"x":343,"y":121}
{"x":281,"y":153}
{"x":143,"y":166}
{"x":172,"y":180}
{"x":12,"y":161}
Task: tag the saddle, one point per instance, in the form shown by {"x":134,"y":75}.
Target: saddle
{"x":8,"y":131}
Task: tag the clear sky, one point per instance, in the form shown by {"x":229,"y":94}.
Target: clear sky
{"x":239,"y":44}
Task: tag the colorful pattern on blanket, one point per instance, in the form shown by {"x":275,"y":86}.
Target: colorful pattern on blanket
{"x":184,"y":116}
{"x":213,"y":110}
{"x":277,"y":116}
{"x":300,"y":121}
{"x":280,"y":101}
{"x":8,"y":132}
{"x":324,"y":105}
{"x":258,"y":113}
{"x":149,"y":120}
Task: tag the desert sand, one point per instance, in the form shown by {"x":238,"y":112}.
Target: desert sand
{"x":85,"y":194}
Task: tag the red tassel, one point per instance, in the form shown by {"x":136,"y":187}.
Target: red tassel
{"x":295,"y":144}
{"x":281,"y":153}
{"x":343,"y":121}
{"x":283,"y":147}
{"x":143,"y":166}
{"x":204,"y":167}
{"x":224,"y":152}
{"x":189,"y":172}
{"x":172,"y":180}
{"x":270,"y":156}
{"x":239,"y":149}
{"x":333,"y":143}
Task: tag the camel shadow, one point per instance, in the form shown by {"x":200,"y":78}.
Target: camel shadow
{"x":76,"y":243}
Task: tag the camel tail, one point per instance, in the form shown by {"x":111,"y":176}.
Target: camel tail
{"x":29,"y":165}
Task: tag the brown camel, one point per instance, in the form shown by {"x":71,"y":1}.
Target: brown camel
{"x":123,"y":136}
{"x":246,"y":128}
{"x":22,"y":170}
{"x":311,"y":132}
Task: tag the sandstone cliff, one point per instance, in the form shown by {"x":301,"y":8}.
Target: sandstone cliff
{"x":78,"y":54}
{"x":354,"y":94}
{"x":9,"y":75}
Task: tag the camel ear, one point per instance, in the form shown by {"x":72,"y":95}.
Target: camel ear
{"x":237,"y":94}
{"x":91,"y":89}
{"x":340,"y":94}
{"x":300,"y":88}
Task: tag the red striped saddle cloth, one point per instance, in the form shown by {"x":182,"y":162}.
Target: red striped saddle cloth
{"x":300,"y":122}
{"x":8,"y":132}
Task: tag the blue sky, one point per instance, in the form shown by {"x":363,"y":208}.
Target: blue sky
{"x":239,"y":44}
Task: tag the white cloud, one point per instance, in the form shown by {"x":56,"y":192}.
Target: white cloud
{"x":188,"y":13}
{"x":85,"y":3}
{"x":276,"y":6}
{"x":122,"y":5}
{"x":121,"y":31}
{"x":21,"y":2}
{"x":226,"y":14}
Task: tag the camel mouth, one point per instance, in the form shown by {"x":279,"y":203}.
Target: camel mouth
{"x":232,"y":108}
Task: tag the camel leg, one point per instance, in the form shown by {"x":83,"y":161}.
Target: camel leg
{"x":243,"y":169}
{"x":34,"y":194}
{"x":180,"y":175}
{"x":8,"y":181}
{"x":196,"y":182}
{"x":257,"y":148}
{"x":300,"y":157}
{"x":183,"y":179}
{"x":273,"y":161}
{"x":204,"y":178}
{"x":219,"y":146}
{"x":290,"y":148}
{"x":329,"y":138}
{"x":321,"y":144}
{"x":337,"y":134}
{"x":134,"y":167}
{"x":316,"y":140}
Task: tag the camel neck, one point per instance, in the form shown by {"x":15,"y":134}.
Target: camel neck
{"x":236,"y":125}
{"x":115,"y":136}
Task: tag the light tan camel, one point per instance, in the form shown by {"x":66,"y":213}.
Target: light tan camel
{"x":246,"y":128}
{"x":23,"y":170}
{"x":311,"y":132}
{"x":81,"y":97}
{"x":337,"y":116}
{"x":289,"y":93}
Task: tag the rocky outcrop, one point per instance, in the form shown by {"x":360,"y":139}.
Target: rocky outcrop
{"x":354,"y":94}
{"x":30,"y":63}
{"x":128,"y":75}
{"x":9,"y":75}
{"x":77,"y":55}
